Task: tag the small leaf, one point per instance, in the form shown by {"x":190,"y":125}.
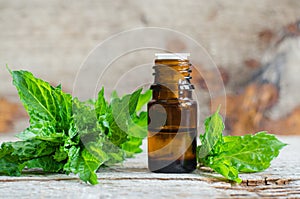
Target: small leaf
{"x":101,"y":104}
{"x":227,"y":170}
{"x":47,"y":163}
{"x":114,"y":95}
{"x":84,"y":163}
{"x":119,"y":116}
{"x":42,"y":131}
{"x":144,"y":98}
{"x":214,"y":127}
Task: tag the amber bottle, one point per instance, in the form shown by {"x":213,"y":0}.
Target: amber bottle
{"x":172,"y":116}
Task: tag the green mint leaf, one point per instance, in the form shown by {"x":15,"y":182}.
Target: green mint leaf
{"x":85,"y":162}
{"x":214,"y":127}
{"x":88,"y":167}
{"x":42,"y":101}
{"x":120,"y":121}
{"x":93,"y":140}
{"x":119,"y":116}
{"x":26,"y":150}
{"x":60,"y":154}
{"x":101,"y":104}
{"x":226,"y":169}
{"x":47,"y":163}
{"x":43,"y":130}
{"x":137,"y":131}
{"x":11,"y":166}
{"x":132,"y":146}
{"x":138,"y":125}
{"x":250,"y":153}
{"x":14,"y":155}
{"x":114,"y":153}
{"x":85,"y":121}
{"x":144,"y":98}
{"x":114,"y":95}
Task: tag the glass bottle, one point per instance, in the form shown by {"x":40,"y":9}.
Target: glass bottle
{"x":172,"y":116}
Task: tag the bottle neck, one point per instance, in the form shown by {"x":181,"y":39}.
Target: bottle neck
{"x":172,"y":79}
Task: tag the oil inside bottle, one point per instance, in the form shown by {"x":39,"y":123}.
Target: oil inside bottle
{"x":172,"y":151}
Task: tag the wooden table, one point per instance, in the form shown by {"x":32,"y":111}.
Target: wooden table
{"x":133,"y":180}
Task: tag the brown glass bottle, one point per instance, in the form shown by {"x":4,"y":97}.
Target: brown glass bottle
{"x":172,"y":117}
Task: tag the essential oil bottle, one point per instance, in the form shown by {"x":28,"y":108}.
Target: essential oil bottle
{"x":172,"y":116}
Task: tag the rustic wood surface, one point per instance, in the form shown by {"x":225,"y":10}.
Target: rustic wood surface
{"x":133,"y":180}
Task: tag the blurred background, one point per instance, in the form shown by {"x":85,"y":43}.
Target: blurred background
{"x":254,"y":43}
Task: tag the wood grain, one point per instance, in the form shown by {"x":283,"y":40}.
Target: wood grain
{"x":133,"y":180}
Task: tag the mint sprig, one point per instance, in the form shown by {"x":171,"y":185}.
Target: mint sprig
{"x":69,"y":136}
{"x":230,"y":155}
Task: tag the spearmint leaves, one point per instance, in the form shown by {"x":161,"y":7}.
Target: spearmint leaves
{"x":138,"y":127}
{"x":69,"y":136}
{"x":46,"y":163}
{"x":230,"y":155}
{"x":14,"y":155}
{"x":124,"y":123}
{"x":119,"y":115}
{"x":138,"y":131}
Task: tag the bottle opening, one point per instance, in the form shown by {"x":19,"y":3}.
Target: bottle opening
{"x":180,"y":56}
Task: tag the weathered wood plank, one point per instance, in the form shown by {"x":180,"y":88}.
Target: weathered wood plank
{"x":133,"y":180}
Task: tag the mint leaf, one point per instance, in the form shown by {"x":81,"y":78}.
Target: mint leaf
{"x":14,"y":155}
{"x":42,"y":101}
{"x":94,"y":149}
{"x":144,"y":98}
{"x":47,"y":163}
{"x":137,"y":131}
{"x":114,"y":95}
{"x":60,"y":154}
{"x":250,"y":153}
{"x":120,"y":120}
{"x":101,"y":104}
{"x":119,"y":116}
{"x":88,"y":166}
{"x":85,"y":162}
{"x":11,"y":166}
{"x":85,"y":121}
{"x":26,"y":150}
{"x":43,"y":131}
{"x":214,"y":127}
{"x":226,"y":169}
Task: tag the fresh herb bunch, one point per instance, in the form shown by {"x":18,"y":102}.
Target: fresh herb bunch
{"x":70,"y":136}
{"x":229,"y":155}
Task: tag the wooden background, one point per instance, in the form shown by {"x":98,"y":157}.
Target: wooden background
{"x":52,"y":39}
